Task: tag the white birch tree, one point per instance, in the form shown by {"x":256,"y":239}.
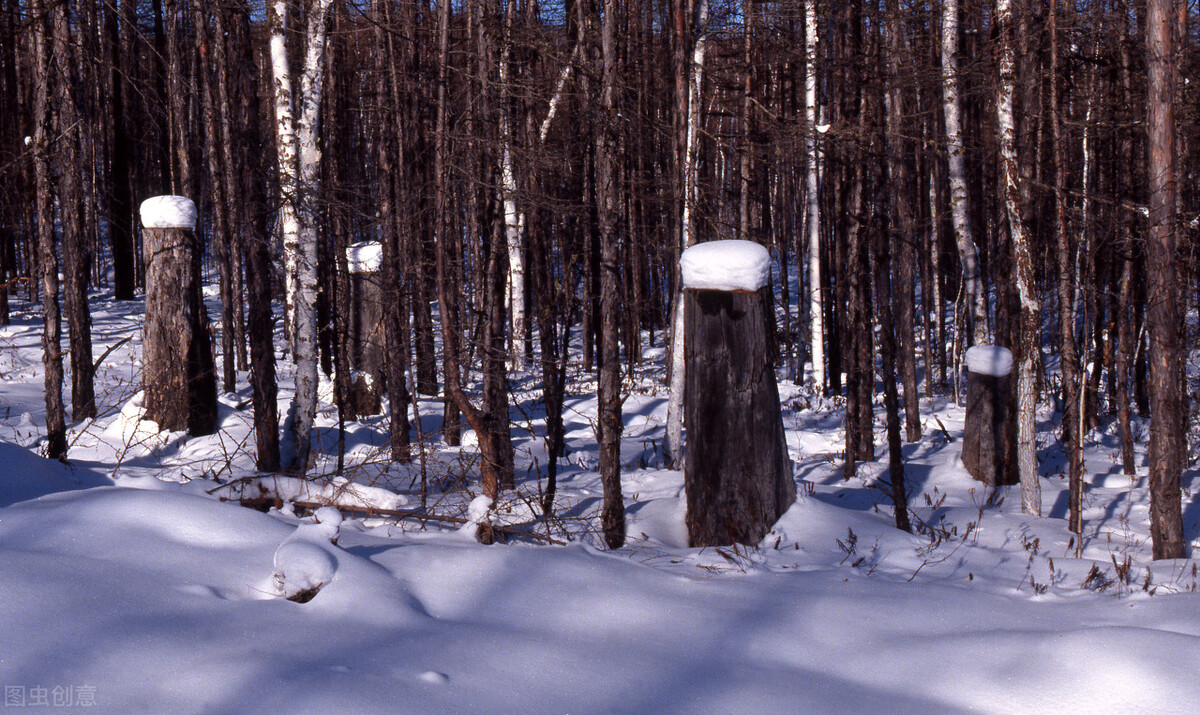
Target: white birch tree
{"x":1030,"y":317}
{"x":957,"y":175}
{"x":813,"y":205}
{"x":514,"y":219}
{"x":673,"y":448}
{"x":299,"y":159}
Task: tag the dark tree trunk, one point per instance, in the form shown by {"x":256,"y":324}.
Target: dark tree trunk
{"x":737,"y":476}
{"x":495,"y":377}
{"x":985,"y":434}
{"x":367,"y":344}
{"x":395,"y":307}
{"x":546,"y":300}
{"x":1163,"y":316}
{"x":609,"y":394}
{"x":231,"y":316}
{"x":221,"y":234}
{"x":75,"y":251}
{"x":177,"y":96}
{"x":892,"y":297}
{"x":178,"y":374}
{"x":12,"y":205}
{"x":261,"y":328}
{"x":443,"y":248}
{"x":121,"y":221}
{"x":904,"y":236}
{"x":56,"y":430}
{"x":1072,"y":437}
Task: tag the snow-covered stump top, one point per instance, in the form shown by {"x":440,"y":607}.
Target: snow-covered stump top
{"x":737,"y":475}
{"x":726,"y":266}
{"x":986,"y":444}
{"x":364,"y":257}
{"x":168,"y":212}
{"x":989,"y":360}
{"x":178,"y":376}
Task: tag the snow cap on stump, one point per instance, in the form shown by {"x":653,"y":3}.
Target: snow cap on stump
{"x":725,"y":266}
{"x":989,"y":360}
{"x":364,"y":257}
{"x":168,"y":212}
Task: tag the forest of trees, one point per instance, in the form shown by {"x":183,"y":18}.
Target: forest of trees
{"x":932,"y":174}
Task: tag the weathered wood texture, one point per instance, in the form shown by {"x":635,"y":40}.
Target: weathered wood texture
{"x":985,"y":452}
{"x":178,"y":375}
{"x":737,"y":477}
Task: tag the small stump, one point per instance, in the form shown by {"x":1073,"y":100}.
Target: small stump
{"x":178,"y":376}
{"x":985,"y":439}
{"x":367,"y":342}
{"x":737,"y":475}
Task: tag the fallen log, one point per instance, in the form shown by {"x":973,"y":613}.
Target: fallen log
{"x":425,"y":516}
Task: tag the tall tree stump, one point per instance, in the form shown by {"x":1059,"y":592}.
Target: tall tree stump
{"x":737,"y":475}
{"x":178,"y":376}
{"x":985,"y":453}
{"x":367,"y":343}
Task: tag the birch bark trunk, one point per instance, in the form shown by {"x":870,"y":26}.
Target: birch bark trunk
{"x":1030,"y":315}
{"x":952,"y":109}
{"x":812,"y":217}
{"x":299,"y":160}
{"x":514,"y":219}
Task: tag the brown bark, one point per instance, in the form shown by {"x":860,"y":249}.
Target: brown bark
{"x":609,"y":395}
{"x":1072,"y":438}
{"x":737,"y":477}
{"x":75,"y":250}
{"x":900,"y":173}
{"x":56,"y":431}
{"x":121,"y":221}
{"x":391,"y":148}
{"x":444,"y":248}
{"x":1163,"y":315}
{"x":221,"y":234}
{"x":182,"y":182}
{"x":177,"y":374}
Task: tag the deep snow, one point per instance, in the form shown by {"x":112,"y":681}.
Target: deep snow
{"x":124,"y":578}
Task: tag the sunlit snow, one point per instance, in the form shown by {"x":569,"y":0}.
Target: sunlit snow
{"x":727,"y":265}
{"x":168,"y":212}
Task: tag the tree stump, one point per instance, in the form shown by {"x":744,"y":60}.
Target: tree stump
{"x":366,"y":328}
{"x":985,"y":453}
{"x":178,"y":376}
{"x":737,"y":475}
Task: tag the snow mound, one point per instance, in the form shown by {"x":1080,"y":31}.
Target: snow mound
{"x":329,"y":523}
{"x":168,"y":212}
{"x":27,"y":476}
{"x":302,"y":568}
{"x":989,"y":360}
{"x":303,"y":564}
{"x":477,"y":516}
{"x":364,"y":257}
{"x":130,"y":434}
{"x":337,"y":491}
{"x":726,"y":266}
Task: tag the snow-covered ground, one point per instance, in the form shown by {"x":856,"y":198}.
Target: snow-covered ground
{"x":127,"y":584}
